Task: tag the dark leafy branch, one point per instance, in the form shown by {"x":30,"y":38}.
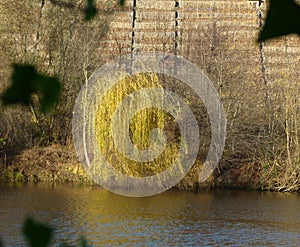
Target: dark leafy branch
{"x":40,"y":235}
{"x":122,"y":2}
{"x":37,"y":234}
{"x":90,"y":11}
{"x":283,"y":18}
{"x":26,"y":80}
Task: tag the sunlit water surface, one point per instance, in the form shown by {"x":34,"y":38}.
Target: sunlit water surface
{"x":217,"y":218}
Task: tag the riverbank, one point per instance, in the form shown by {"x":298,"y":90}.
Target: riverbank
{"x":55,"y":163}
{"x":59,"y":164}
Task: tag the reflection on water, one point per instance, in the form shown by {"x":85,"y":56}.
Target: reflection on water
{"x":169,"y":219}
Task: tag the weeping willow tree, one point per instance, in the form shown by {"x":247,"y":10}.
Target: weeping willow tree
{"x":140,"y":128}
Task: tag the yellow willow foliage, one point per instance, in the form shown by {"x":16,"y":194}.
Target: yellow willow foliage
{"x":140,"y":127}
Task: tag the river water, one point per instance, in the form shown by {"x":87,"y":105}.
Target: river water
{"x":215,"y":218}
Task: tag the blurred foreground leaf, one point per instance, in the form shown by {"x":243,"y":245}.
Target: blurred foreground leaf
{"x":90,"y":11}
{"x":122,"y":2}
{"x":83,"y":242}
{"x":26,"y":81}
{"x":283,"y":18}
{"x":37,"y":234}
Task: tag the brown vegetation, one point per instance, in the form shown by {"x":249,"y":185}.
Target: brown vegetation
{"x":54,"y":163}
{"x":258,"y":85}
{"x":58,"y":42}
